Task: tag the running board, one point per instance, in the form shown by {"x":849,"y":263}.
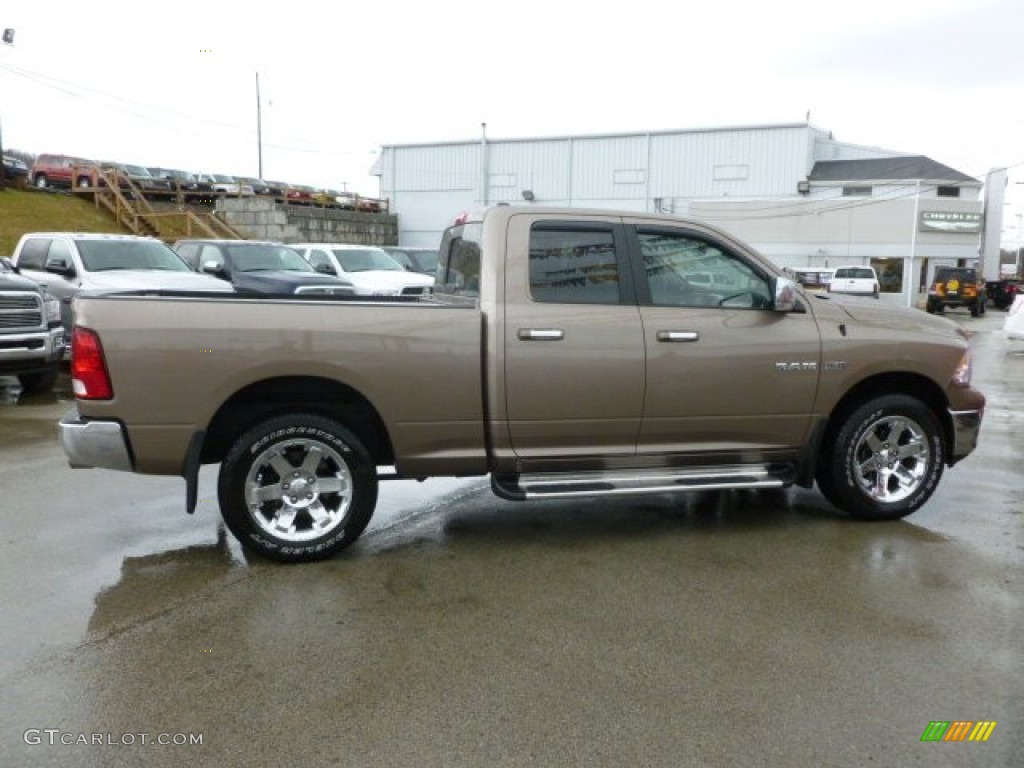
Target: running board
{"x":555,"y":485}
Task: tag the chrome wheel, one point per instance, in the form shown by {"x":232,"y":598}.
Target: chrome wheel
{"x":891,"y":459}
{"x":298,"y":490}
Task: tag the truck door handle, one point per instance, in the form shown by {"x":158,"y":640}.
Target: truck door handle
{"x":678,"y":336}
{"x":541,"y":334}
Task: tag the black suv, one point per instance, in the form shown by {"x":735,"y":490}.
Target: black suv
{"x":254,"y":266}
{"x":956,"y":287}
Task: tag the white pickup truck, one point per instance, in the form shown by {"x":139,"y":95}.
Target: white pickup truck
{"x":66,"y":263}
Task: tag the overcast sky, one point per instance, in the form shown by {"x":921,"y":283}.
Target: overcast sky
{"x":174,"y":84}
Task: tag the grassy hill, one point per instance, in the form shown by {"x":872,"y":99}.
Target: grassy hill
{"x":28,"y":210}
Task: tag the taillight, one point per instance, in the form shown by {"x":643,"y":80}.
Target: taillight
{"x":89,"y":377}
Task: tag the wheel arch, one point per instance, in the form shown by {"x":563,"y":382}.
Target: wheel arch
{"x":267,"y":398}
{"x":892,"y":383}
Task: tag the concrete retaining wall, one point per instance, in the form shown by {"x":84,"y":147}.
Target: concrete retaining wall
{"x":261,"y":219}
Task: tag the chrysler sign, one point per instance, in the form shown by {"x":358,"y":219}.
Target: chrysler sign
{"x":950,"y":221}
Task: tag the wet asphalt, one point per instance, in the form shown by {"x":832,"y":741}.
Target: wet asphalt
{"x":712,"y":629}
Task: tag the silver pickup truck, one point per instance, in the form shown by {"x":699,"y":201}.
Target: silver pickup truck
{"x":32,"y":341}
{"x":565,"y":353}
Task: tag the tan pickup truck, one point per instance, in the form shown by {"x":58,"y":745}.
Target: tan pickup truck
{"x":565,"y":353}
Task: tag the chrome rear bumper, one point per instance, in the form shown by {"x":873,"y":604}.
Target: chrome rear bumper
{"x":89,"y":443}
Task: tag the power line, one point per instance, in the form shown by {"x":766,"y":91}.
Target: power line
{"x":146,"y":111}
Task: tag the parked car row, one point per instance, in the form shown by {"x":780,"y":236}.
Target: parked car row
{"x":68,"y":171}
{"x":253,"y":266}
{"x":65,"y":263}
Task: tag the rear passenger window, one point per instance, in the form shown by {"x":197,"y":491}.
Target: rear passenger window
{"x":573,"y":264}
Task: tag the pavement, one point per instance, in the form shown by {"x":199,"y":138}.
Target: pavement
{"x":709,"y":629}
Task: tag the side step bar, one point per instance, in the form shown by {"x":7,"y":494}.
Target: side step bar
{"x":556,"y":485}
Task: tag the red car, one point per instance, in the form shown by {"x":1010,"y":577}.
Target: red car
{"x":63,"y":171}
{"x":299,"y":195}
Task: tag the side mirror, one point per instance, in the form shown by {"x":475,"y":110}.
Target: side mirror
{"x":10,"y":265}
{"x":785,"y":294}
{"x":59,"y":267}
{"x":325,"y":269}
{"x":214,"y":268}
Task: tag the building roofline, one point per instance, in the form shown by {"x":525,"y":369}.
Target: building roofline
{"x":612,"y":135}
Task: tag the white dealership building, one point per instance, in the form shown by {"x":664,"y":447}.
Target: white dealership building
{"x":796,"y":194}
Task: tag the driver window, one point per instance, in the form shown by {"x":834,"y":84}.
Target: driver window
{"x":686,"y":271}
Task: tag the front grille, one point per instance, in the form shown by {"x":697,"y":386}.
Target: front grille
{"x":21,"y":311}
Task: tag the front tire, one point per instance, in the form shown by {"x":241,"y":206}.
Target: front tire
{"x":885,"y":460}
{"x":297,"y":488}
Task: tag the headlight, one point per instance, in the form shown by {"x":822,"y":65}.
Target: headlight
{"x":964,"y":369}
{"x":52,"y":304}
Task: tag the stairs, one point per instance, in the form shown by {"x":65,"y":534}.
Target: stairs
{"x":128,"y":205}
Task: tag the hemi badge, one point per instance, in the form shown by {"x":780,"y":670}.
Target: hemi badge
{"x":835,"y":365}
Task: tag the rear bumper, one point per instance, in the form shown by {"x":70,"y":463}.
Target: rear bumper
{"x":88,"y":443}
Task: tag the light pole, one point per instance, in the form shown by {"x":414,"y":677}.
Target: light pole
{"x":8,"y":39}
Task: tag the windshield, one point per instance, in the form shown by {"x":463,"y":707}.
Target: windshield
{"x":967,"y":275}
{"x":365,"y":259}
{"x":256,"y":257}
{"x":137,"y":170}
{"x":224,"y":179}
{"x":105,"y":255}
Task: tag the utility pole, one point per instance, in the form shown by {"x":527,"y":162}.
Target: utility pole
{"x":259,"y":127}
{"x":8,"y":39}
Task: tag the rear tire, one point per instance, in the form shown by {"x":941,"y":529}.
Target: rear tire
{"x":297,"y":488}
{"x":886,"y":459}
